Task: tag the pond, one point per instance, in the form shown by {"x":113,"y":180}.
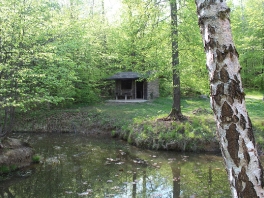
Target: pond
{"x":81,"y":166}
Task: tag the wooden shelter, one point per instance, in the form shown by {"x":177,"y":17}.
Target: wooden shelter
{"x":131,"y":85}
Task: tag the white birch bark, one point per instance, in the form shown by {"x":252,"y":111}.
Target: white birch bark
{"x":234,"y":127}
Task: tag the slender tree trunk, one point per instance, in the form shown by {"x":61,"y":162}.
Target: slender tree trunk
{"x":234,"y":127}
{"x":175,"y":113}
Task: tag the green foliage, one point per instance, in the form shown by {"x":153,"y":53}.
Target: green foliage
{"x":249,"y":38}
{"x":57,"y":54}
{"x":194,"y":75}
{"x":32,"y":72}
{"x":69,"y":52}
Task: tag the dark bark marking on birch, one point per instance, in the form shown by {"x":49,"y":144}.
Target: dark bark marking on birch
{"x":257,"y":179}
{"x":242,"y":175}
{"x":248,"y":191}
{"x":220,"y":56}
{"x":235,"y":92}
{"x":242,"y":122}
{"x":211,"y":29}
{"x":249,"y":122}
{"x":201,"y":20}
{"x":227,"y":110}
{"x":224,"y":75}
{"x":216,"y":77}
{"x":220,"y":89}
{"x":229,"y":100}
{"x":211,"y":44}
{"x":238,"y":182}
{"x":222,"y":15}
{"x":237,"y":54}
{"x":251,"y":136}
{"x":225,"y":49}
{"x":236,"y":79}
{"x":234,"y":175}
{"x":231,"y":49}
{"x":218,"y":45}
{"x":231,"y":55}
{"x":245,"y":152}
{"x":217,"y":67}
{"x":239,"y":186}
{"x":232,"y":137}
{"x":250,"y":132}
{"x":235,"y":119}
{"x":219,"y":92}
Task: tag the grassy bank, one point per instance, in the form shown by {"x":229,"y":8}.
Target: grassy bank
{"x":140,"y":123}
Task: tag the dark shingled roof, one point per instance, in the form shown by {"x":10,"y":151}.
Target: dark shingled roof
{"x":125,"y":75}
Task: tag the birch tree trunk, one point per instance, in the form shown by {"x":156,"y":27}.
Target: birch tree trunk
{"x":234,"y":127}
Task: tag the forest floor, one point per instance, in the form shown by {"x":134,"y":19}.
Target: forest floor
{"x":141,"y":124}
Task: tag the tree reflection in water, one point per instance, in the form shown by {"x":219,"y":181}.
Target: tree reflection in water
{"x":75,"y":166}
{"x":176,"y":174}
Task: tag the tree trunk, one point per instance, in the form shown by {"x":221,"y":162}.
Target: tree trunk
{"x":175,"y":113}
{"x":176,"y":173}
{"x":234,"y":127}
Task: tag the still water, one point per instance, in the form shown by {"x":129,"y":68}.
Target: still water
{"x":79,"y":166}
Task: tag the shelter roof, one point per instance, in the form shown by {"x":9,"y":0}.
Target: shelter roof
{"x":124,"y":76}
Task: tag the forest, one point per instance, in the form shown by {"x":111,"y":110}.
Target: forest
{"x":58,"y":52}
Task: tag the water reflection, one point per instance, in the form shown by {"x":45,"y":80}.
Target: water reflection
{"x":77,"y":166}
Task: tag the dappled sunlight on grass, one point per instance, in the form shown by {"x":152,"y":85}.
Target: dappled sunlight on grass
{"x":255,"y":108}
{"x":259,"y":97}
{"x":253,"y":94}
{"x":142,"y":120}
{"x":143,"y":123}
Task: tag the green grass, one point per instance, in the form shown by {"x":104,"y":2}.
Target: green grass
{"x":137,"y":122}
{"x":254,"y":94}
{"x":255,"y":107}
{"x":202,"y":126}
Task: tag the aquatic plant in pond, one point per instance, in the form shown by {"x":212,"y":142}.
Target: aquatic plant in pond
{"x":5,"y":169}
{"x":36,"y":159}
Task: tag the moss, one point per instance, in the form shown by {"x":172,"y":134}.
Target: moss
{"x":36,"y":159}
{"x":4,"y":169}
